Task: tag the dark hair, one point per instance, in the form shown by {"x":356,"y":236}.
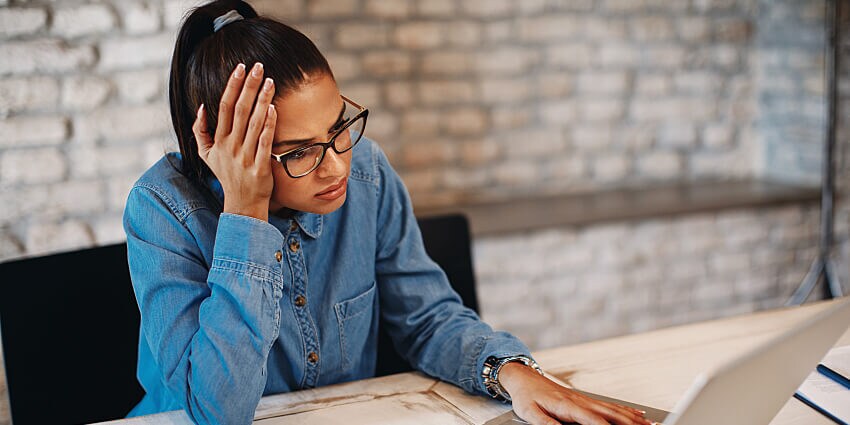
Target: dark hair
{"x":204,"y":59}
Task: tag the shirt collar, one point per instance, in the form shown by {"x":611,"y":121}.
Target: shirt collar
{"x":310,"y":223}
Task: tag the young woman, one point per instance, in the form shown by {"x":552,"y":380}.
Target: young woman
{"x":265,"y":253}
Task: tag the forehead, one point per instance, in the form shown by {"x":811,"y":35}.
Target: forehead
{"x":309,"y":110}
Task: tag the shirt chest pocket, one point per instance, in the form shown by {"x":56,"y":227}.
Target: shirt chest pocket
{"x":355,"y":317}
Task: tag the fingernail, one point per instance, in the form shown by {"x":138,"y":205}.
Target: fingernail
{"x":200,"y":109}
{"x":271,"y":109}
{"x":267,"y":86}
{"x":257,"y":70}
{"x":240,"y":71}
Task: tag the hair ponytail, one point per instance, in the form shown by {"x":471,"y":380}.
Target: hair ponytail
{"x":203,"y":60}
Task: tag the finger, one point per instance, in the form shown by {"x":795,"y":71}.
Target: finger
{"x":620,"y":414}
{"x":258,"y":118}
{"x":202,"y":136}
{"x":264,"y":149}
{"x":573,"y":412}
{"x":537,"y":416}
{"x":245,"y":103}
{"x":228,"y":100}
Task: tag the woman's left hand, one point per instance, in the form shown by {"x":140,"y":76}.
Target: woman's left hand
{"x":541,"y":401}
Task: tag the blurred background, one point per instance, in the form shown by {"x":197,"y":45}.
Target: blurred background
{"x":695,"y":127}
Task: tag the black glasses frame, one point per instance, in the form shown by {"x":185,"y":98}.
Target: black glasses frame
{"x":362,"y":112}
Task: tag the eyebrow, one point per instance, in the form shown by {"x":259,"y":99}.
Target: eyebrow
{"x":302,"y":141}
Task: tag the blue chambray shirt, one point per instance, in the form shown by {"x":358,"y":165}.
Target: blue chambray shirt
{"x":220,"y":324}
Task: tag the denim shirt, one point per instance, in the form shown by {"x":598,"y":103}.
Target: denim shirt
{"x":234,"y":308}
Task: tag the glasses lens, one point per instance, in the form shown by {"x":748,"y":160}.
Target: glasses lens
{"x":348,"y":138}
{"x":302,"y":162}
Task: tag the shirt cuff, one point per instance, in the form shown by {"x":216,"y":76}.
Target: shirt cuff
{"x":501,"y":344}
{"x":248,"y":242}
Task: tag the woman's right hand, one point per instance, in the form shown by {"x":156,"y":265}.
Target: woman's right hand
{"x":240,"y":155}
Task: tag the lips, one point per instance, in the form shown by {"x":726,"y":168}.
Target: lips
{"x":334,"y":191}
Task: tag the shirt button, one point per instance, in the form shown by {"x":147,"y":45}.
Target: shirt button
{"x":278,"y":256}
{"x":300,"y":301}
{"x":293,"y":245}
{"x":313,"y":357}
{"x":293,"y":226}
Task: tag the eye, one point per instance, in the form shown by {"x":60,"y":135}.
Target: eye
{"x":339,"y":125}
{"x":296,"y":155}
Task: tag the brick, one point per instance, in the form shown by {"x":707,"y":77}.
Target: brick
{"x":85,"y":93}
{"x":664,"y":57}
{"x":399,"y":94}
{"x":610,"y":167}
{"x":547,"y":142}
{"x":588,"y":138}
{"x":569,"y":56}
{"x":617,"y":55}
{"x":287,"y":11}
{"x":550,"y":28}
{"x":499,"y":31}
{"x":636,"y":137}
{"x":344,"y":66}
{"x":465,"y":121}
{"x":446,"y":92}
{"x":681,"y":135}
{"x":135,"y":52}
{"x":463,"y":33}
{"x":21,"y":202}
{"x":504,"y":90}
{"x":324,"y":9}
{"x":419,"y":35}
{"x":422,"y":154}
{"x":139,"y":86}
{"x":27,"y":94}
{"x":621,"y":6}
{"x":19,"y":21}
{"x":651,"y":28}
{"x":419,"y":181}
{"x":566,"y":169}
{"x":437,"y":8}
{"x":112,"y":125}
{"x":446,"y":63}
{"x":355,"y":36}
{"x":478,"y":151}
{"x":487,"y":9}
{"x":75,"y":197}
{"x":605,"y":29}
{"x":510,"y":116}
{"x":389,"y":9}
{"x":367,"y":93}
{"x":506,"y":61}
{"x":391,"y":63}
{"x":602,"y":82}
{"x":652,"y":84}
{"x":697,"y":83}
{"x":693,"y":29}
{"x":557,"y":84}
{"x":516,"y":173}
{"x":173,"y":12}
{"x":33,"y":131}
{"x":558,"y":112}
{"x":82,"y":20}
{"x":733,"y":30}
{"x":43,"y":56}
{"x":465,"y":178}
{"x":601,"y":110}
{"x":383,"y":126}
{"x":116,"y":160}
{"x":717,"y":136}
{"x":109,"y":230}
{"x":43,"y":238}
{"x":117,"y":189}
{"x":420,"y":123}
{"x":141,"y":18}
{"x":713,"y":5}
{"x":660,"y":164}
{"x":32,"y":166}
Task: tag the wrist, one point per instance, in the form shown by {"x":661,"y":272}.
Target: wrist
{"x":513,"y":374}
{"x":260,"y":212}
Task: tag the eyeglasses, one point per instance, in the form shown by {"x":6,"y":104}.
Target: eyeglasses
{"x":303,"y":160}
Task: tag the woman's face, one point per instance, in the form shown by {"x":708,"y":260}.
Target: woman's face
{"x":305,"y":116}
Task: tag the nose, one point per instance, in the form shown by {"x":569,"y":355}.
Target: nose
{"x":333,"y":165}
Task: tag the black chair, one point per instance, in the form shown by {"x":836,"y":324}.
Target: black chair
{"x":447,"y":242}
{"x":70,"y":327}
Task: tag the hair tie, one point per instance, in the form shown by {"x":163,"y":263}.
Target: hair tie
{"x":225,"y":19}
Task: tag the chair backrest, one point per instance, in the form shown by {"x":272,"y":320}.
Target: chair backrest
{"x":70,"y":328}
{"x":447,"y":242}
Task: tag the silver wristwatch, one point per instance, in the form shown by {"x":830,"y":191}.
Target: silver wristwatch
{"x":490,"y":373}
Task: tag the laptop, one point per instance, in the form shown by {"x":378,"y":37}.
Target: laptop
{"x":752,"y":388}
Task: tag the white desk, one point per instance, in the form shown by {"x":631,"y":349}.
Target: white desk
{"x":652,"y":368}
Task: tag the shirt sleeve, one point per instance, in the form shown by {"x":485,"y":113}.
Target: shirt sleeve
{"x":424,"y":316}
{"x":209,"y":327}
